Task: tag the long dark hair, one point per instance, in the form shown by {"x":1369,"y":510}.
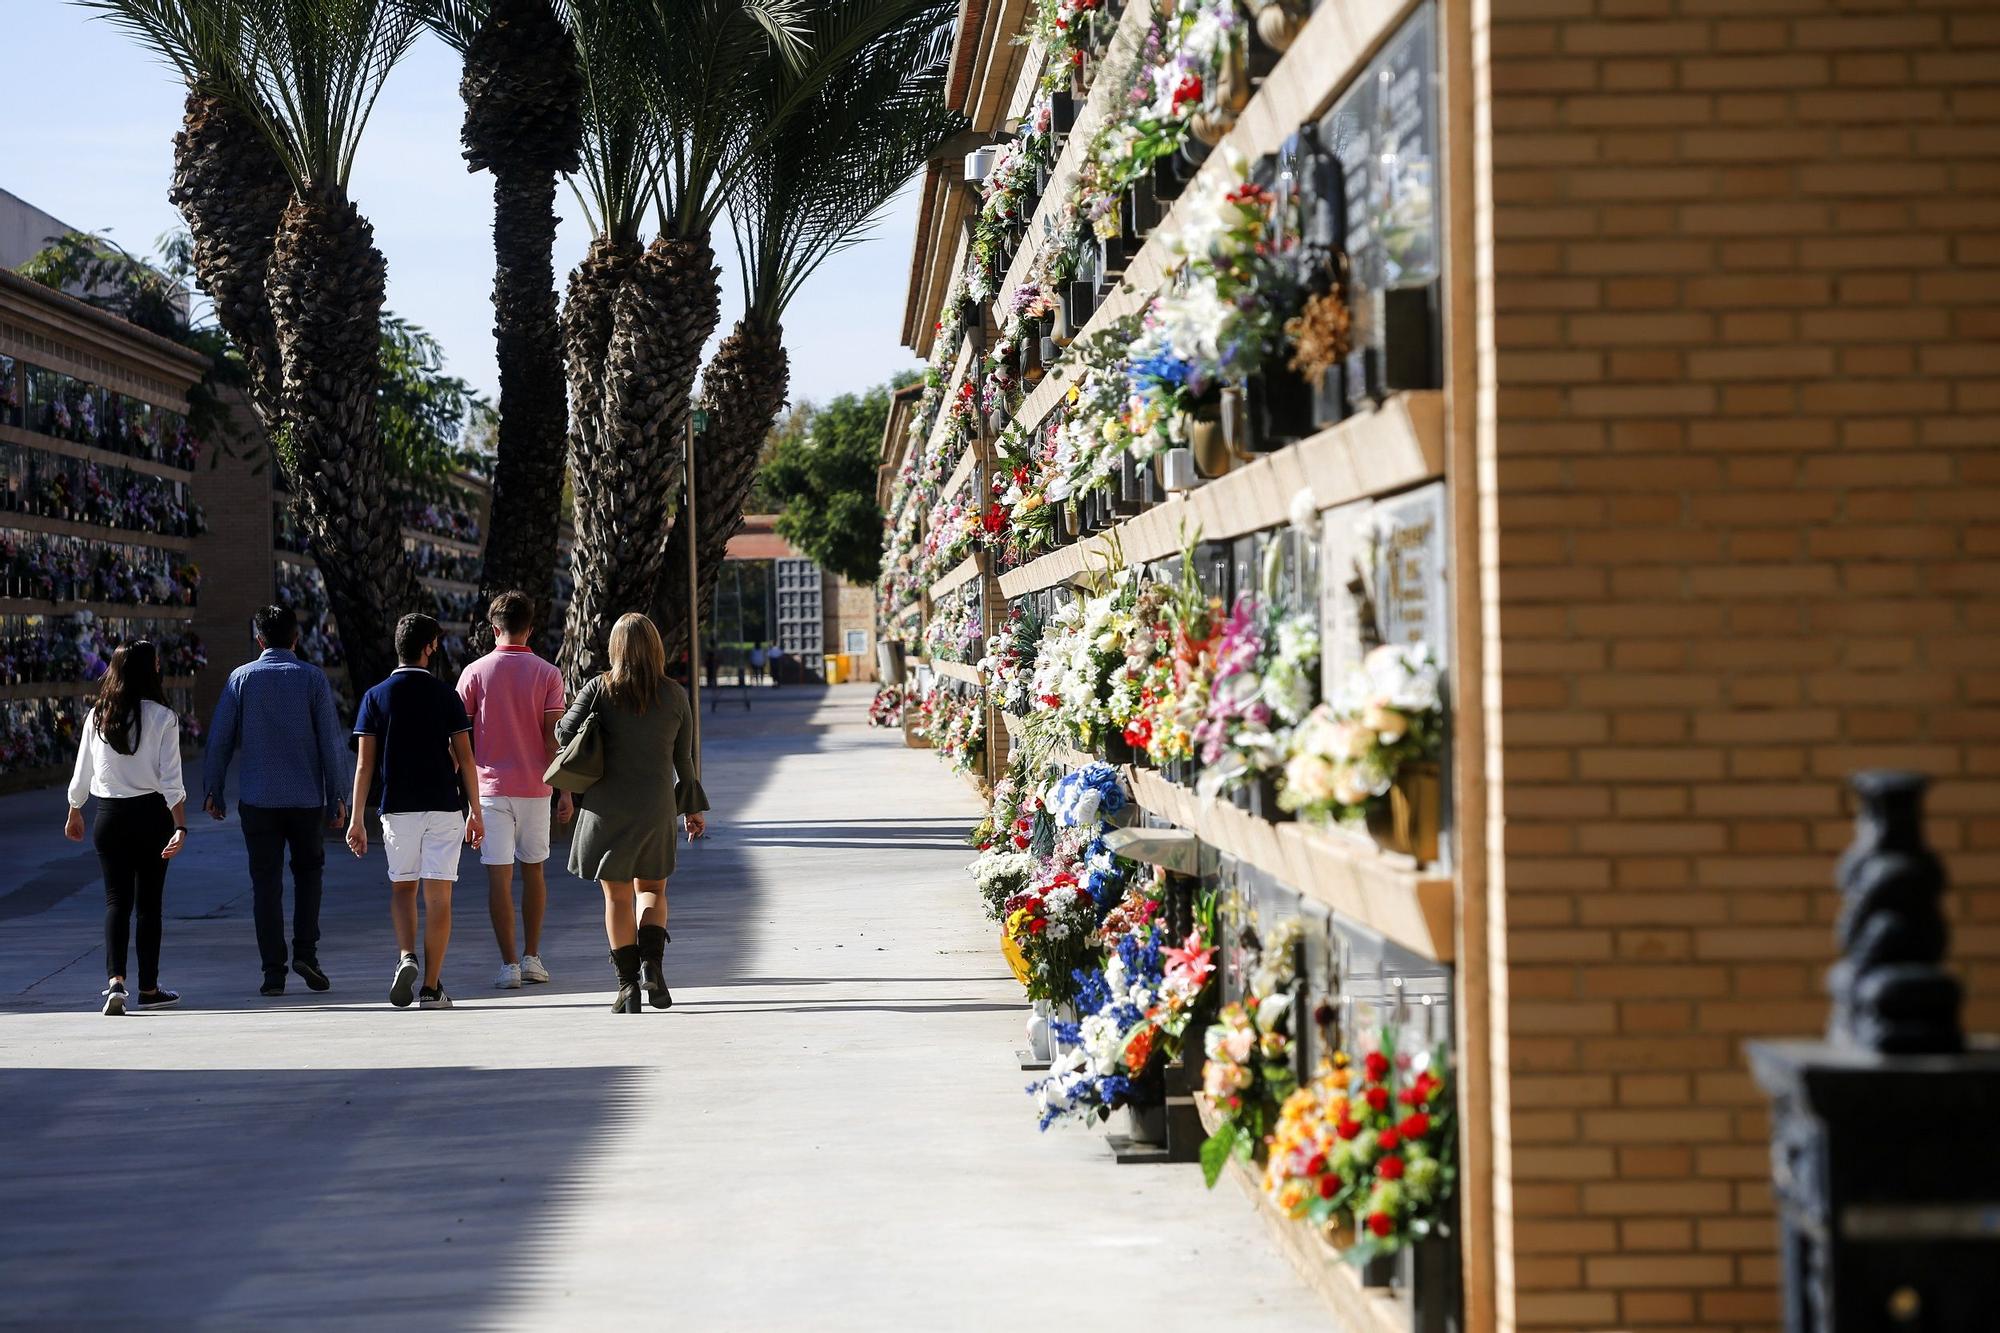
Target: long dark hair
{"x":132,"y":678}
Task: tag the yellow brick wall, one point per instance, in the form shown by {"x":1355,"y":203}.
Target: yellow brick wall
{"x":1739,"y":315}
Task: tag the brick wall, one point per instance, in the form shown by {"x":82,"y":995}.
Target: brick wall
{"x":1739,"y":274}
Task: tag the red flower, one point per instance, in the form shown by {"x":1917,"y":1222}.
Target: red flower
{"x":1376,"y":1066}
{"x":1329,"y":1186}
{"x":1415,"y":1126}
{"x":1037,"y":926}
{"x":1188,"y":90}
{"x":1348,"y":1129}
{"x":1316,"y":1164}
{"x":1388,"y":1140}
{"x":1381,"y":1224}
{"x":1378,"y":1099}
{"x":1390,"y":1168}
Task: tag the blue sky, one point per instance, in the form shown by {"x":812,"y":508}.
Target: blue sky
{"x":91,"y":118}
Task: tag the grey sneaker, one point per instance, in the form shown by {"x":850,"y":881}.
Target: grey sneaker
{"x":405,"y":983}
{"x":433,"y":997}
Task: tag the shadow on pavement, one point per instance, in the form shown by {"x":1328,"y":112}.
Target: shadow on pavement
{"x":252,"y":1199}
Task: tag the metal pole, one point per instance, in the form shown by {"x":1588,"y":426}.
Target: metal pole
{"x":694,"y":605}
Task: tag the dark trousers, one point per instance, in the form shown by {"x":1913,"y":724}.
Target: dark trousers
{"x":267,"y":832}
{"x":129,"y":835}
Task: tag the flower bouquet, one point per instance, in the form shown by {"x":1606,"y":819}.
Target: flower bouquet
{"x":1347,"y":755}
{"x":1248,"y":1073}
{"x":1265,"y":664}
{"x":886,"y":708}
{"x":1378,"y":1148}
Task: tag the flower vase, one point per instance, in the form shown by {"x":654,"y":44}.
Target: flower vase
{"x":1111,"y":256}
{"x":1127,"y":492}
{"x":1407,"y":820}
{"x":1050,"y":350}
{"x":1079,"y":302}
{"x":1280,"y":407}
{"x":1263,"y":791}
{"x":1041,"y":1044}
{"x":1237,"y":434}
{"x":1167,"y":181}
{"x":1329,"y":396}
{"x":996,"y":420}
{"x":1277,"y":26}
{"x":1062,"y":111}
{"x":1192,"y":153}
{"x":1175,"y":471}
{"x":1208,"y":445}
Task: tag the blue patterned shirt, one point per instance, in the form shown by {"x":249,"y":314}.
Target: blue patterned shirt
{"x":279,"y":712}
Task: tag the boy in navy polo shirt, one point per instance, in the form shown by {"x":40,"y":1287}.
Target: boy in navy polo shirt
{"x":415,"y":726}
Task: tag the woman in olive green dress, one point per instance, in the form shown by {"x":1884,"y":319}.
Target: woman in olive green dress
{"x":625,"y":822}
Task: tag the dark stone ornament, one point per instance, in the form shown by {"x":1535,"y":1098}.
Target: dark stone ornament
{"x":1884,"y":1161}
{"x":1890,"y":992}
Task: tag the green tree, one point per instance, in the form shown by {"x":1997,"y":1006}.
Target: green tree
{"x":841,"y":144}
{"x":305,"y":74}
{"x":822,"y":471}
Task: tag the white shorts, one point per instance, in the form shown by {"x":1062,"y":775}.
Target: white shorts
{"x":517,"y":829}
{"x":423,"y":844}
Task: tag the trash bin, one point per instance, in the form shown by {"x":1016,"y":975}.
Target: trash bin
{"x":836,"y":668}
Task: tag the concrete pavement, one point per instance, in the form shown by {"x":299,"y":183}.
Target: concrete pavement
{"x":826,"y":1132}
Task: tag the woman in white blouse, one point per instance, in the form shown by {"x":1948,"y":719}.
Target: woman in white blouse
{"x":129,"y":758}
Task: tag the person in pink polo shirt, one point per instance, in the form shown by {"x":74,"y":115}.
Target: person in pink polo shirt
{"x":514,"y":698}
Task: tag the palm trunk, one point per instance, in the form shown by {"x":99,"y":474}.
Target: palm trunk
{"x":662,"y":314}
{"x":231,"y":191}
{"x":525,"y":519}
{"x":743,"y":390}
{"x":586,"y":332}
{"x":326,"y":287}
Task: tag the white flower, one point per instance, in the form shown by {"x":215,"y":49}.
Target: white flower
{"x":1304,"y":514}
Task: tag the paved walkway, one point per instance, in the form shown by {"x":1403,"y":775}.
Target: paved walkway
{"x":826,"y":1132}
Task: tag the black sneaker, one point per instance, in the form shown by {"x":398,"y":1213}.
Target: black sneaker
{"x":272,"y":986}
{"x":405,"y":984}
{"x":315,"y":979}
{"x":159,"y":998}
{"x":433,"y":997}
{"x":114,"y":999}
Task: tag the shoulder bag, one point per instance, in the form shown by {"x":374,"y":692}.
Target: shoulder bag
{"x":580,"y":763}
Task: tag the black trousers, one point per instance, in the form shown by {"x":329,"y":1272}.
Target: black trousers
{"x":129,"y":835}
{"x":268,"y":831}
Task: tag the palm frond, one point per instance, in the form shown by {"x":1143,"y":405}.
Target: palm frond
{"x":199,"y":38}
{"x":621,"y":168}
{"x":829,"y":161}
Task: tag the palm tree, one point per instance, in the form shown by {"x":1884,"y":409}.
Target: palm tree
{"x":836,"y":156}
{"x":228,"y":184}
{"x":523,"y":93}
{"x":306,"y":74}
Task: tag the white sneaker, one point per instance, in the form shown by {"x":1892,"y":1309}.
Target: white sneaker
{"x":114,"y":999}
{"x":509,"y":978}
{"x":532,"y":970}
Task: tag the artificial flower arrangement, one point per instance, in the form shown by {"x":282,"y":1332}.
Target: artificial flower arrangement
{"x":1186,"y":625}
{"x":1085,"y":642}
{"x":1248,"y":1072}
{"x":1266,"y":669}
{"x":1373,"y":1144}
{"x":1006,"y":841}
{"x":1136,"y":1010}
{"x":1010,"y":659}
{"x":956,"y":727}
{"x":954,"y":633}
{"x":1346,"y":755}
{"x":886,"y":708}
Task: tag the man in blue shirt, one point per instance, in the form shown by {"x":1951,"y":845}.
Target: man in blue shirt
{"x":279,"y":712}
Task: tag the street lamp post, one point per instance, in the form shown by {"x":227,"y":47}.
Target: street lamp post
{"x":697,"y":423}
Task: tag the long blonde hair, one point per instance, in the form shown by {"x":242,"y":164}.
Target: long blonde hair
{"x":638,"y":662}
